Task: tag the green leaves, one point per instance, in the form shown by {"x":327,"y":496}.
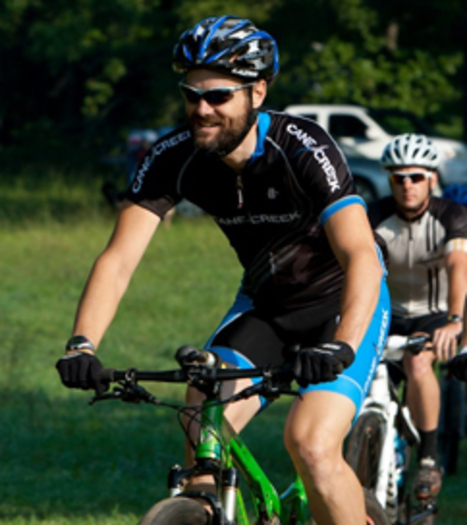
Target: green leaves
{"x":107,"y":63}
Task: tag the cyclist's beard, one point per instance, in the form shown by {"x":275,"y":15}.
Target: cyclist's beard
{"x":229,"y":139}
{"x":416,"y":209}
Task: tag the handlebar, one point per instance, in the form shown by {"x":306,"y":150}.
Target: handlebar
{"x":200,"y":369}
{"x":397,"y":344}
{"x":190,"y":375}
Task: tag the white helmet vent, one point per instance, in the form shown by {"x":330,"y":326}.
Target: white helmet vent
{"x":410,"y":150}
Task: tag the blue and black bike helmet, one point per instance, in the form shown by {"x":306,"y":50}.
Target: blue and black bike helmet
{"x":230,"y":45}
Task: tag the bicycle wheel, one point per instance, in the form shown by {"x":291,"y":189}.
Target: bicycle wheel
{"x":364,"y":447}
{"x":177,"y":511}
{"x":375,"y":514}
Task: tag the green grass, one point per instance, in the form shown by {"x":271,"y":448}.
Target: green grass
{"x":62,"y":461}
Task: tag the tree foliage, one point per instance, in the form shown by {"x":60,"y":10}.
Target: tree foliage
{"x":89,"y":70}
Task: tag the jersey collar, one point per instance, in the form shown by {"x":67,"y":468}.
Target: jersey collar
{"x":264,"y":121}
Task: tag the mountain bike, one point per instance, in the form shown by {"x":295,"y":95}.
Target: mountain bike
{"x":220,"y":452}
{"x":379,"y":445}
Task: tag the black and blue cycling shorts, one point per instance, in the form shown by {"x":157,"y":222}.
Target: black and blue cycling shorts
{"x":247,"y":338}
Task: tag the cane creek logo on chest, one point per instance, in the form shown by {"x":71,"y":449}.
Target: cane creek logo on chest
{"x":319,"y":154}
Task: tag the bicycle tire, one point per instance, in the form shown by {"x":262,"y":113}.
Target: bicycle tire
{"x":375,"y":514}
{"x":364,"y":447}
{"x":363,"y":453}
{"x":177,"y":511}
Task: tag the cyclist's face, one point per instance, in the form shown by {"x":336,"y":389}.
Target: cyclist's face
{"x":412,"y":194}
{"x":221,"y":127}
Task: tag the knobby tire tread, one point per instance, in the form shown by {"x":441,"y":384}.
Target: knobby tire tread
{"x":364,"y":447}
{"x":177,"y":511}
{"x":376,"y":515}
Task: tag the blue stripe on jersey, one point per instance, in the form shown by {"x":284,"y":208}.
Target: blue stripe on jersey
{"x":339,"y":205}
{"x":354,"y":382}
{"x":264,"y":121}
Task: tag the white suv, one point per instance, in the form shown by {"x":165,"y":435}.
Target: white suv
{"x":368,"y":131}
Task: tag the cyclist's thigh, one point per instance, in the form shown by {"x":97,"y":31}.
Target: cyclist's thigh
{"x":429,"y":323}
{"x":244,"y":339}
{"x":355,"y":380}
{"x":320,"y":418}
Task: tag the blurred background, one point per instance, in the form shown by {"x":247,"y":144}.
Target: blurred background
{"x":78,"y":80}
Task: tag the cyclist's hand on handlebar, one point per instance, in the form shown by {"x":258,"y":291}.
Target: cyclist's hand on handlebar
{"x":79,"y":369}
{"x":445,"y":340}
{"x":458,"y":366}
{"x":322,"y":362}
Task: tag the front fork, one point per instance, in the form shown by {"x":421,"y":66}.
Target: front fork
{"x":224,"y":509}
{"x":208,"y":455}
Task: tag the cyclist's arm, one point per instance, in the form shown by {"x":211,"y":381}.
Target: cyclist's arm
{"x":113,"y":270}
{"x":353,"y":243}
{"x":456,"y":264}
{"x":444,"y":338}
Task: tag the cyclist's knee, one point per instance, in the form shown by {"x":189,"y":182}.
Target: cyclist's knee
{"x":193,"y":397}
{"x":418,"y":366}
{"x":317,"y":454}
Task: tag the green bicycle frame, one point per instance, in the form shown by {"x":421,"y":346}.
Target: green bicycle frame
{"x":228,"y":448}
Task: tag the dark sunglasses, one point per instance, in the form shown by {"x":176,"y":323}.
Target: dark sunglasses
{"x":399,"y":178}
{"x":214,"y":97}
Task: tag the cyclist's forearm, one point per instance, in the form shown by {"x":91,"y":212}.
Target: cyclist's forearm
{"x":105,"y":287}
{"x":457,"y":279}
{"x":359,"y":298}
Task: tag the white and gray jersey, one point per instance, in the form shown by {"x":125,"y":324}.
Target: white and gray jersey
{"x":417,"y":276}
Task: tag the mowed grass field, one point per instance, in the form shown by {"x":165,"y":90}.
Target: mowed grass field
{"x":65,"y":462}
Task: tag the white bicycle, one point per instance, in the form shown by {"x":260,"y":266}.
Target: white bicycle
{"x":378,"y":447}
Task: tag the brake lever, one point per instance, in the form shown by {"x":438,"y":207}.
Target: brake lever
{"x":115,"y":394}
{"x":265,"y":389}
{"x":129,"y":393}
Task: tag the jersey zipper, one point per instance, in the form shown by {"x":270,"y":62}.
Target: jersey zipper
{"x":410,"y":264}
{"x":240,"y":191}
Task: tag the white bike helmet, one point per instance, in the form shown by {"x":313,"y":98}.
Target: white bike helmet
{"x":410,"y":150}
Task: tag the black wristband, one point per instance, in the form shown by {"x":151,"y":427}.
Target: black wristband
{"x":454,"y":318}
{"x":79,"y":342}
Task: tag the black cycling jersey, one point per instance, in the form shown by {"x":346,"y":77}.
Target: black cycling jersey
{"x":417,"y":277}
{"x":272,"y":212}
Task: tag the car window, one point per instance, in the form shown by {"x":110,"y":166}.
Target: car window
{"x":347,"y":126}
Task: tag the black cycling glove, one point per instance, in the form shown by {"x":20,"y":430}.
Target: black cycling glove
{"x":81,"y":370}
{"x":458,"y":366}
{"x":322,"y":362}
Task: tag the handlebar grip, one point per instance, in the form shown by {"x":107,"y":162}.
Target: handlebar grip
{"x":414,"y":341}
{"x":107,"y":375}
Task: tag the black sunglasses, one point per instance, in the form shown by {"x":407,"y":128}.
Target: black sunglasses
{"x":399,"y":178}
{"x":214,"y":97}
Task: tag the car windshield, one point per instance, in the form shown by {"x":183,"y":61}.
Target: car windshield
{"x":395,"y":122}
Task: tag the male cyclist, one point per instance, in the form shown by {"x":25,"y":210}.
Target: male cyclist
{"x":427,"y":242}
{"x":280,"y":190}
